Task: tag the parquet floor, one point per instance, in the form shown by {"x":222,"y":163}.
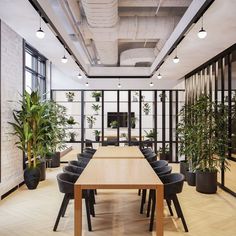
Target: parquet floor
{"x":32,"y":213}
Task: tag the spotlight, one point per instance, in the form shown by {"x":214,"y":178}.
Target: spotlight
{"x":40,"y":33}
{"x":151,"y":84}
{"x":87,"y":84}
{"x":176,"y":59}
{"x":64,"y":59}
{"x":159,"y":76}
{"x":79,"y":76}
{"x":202,"y":33}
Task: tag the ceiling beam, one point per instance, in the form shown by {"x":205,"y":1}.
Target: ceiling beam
{"x":152,"y":3}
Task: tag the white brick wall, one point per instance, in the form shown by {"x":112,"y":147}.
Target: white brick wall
{"x":11,"y":88}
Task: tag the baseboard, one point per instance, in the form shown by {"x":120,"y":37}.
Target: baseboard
{"x":11,"y":190}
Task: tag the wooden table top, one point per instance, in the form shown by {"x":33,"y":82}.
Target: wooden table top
{"x":130,"y":152}
{"x":118,"y":174}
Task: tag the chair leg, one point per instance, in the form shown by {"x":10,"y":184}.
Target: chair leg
{"x":65,"y":206}
{"x":153,"y":197}
{"x":88,"y":212}
{"x":169,"y":206}
{"x":60,"y":212}
{"x":149,"y":202}
{"x":179,"y":212}
{"x":144,"y":193}
{"x":93,"y":196}
{"x":139,"y":192}
{"x":96,"y":193}
{"x":91,"y":202}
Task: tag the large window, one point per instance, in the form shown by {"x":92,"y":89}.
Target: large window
{"x":35,"y":71}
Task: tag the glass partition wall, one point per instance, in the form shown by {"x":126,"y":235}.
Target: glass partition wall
{"x":123,"y":117}
{"x":217,"y":78}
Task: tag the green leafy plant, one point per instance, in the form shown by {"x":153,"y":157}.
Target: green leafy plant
{"x":97,"y":135}
{"x":114,"y":124}
{"x":91,"y":121}
{"x":72,"y":136}
{"x":71,"y":121}
{"x":151,"y":134}
{"x":166,"y":151}
{"x":146,"y":108}
{"x":96,"y":95}
{"x":162,"y":95}
{"x":96,"y":108}
{"x":70,"y":96}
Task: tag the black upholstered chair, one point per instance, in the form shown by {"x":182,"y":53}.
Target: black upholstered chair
{"x":151,"y":157}
{"x":158,"y":164}
{"x":90,"y":150}
{"x":173,"y":185}
{"x":88,"y":143}
{"x":66,"y":186}
{"x":71,"y":169}
{"x":81,"y":163}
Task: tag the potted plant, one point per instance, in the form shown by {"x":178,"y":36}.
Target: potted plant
{"x":71,"y":121}
{"x":72,"y":136}
{"x":96,"y":95}
{"x":211,"y":119}
{"x":133,"y":122}
{"x":151,"y":134}
{"x":96,"y":108}
{"x":28,"y":127}
{"x":91,"y":121}
{"x":97,"y":135}
{"x":146,"y":108}
{"x":135,"y":96}
{"x":114,"y":124}
{"x":188,"y":137}
{"x":55,"y":135}
{"x":162,"y":96}
{"x":164,"y":153}
{"x":70,"y":96}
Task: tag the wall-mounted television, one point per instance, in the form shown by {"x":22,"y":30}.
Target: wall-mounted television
{"x":121,"y":117}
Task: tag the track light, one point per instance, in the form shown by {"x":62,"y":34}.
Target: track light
{"x":87,"y":84}
{"x":40,"y":33}
{"x":159,"y":76}
{"x":151,"y":84}
{"x":64,"y":58}
{"x":202,"y":33}
{"x":79,"y":76}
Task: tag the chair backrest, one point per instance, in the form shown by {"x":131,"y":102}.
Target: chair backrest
{"x":163,"y":170}
{"x":151,"y":157}
{"x":159,"y":164}
{"x":74,"y":170}
{"x":66,"y":182}
{"x":90,"y":150}
{"x":78,"y":163}
{"x":88,"y":143}
{"x":85,"y":155}
{"x":173,"y":183}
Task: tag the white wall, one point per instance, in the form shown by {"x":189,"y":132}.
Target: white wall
{"x":11,"y":88}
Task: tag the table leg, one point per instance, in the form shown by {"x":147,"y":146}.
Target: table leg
{"x":159,"y":210}
{"x":78,"y":210}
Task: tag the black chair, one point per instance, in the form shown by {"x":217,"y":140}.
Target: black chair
{"x":158,"y":164}
{"x":146,"y":150}
{"x":173,"y":184}
{"x":151,"y":157}
{"x":71,"y":169}
{"x":85,"y":155}
{"x":90,"y":150}
{"x":88,"y":143}
{"x":82,"y":163}
{"x":66,"y":186}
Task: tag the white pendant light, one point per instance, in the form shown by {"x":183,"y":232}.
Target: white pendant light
{"x":151,"y":84}
{"x":64,"y":59}
{"x":176,"y":58}
{"x":202,"y":33}
{"x":87,"y":84}
{"x":40,"y":33}
{"x":159,"y":76}
{"x":79,"y":76}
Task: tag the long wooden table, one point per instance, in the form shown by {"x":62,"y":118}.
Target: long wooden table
{"x":118,"y":174}
{"x":129,"y":152}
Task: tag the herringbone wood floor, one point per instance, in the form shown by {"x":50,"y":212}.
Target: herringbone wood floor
{"x":32,"y":213}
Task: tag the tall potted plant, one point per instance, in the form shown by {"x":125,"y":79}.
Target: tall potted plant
{"x":96,"y":95}
{"x":211,"y":119}
{"x":28,"y":127}
{"x":96,"y":108}
{"x":91,"y":121}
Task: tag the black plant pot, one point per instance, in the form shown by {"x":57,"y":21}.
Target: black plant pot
{"x":97,"y":138}
{"x":183,"y":167}
{"x":165,"y":156}
{"x":206,"y":182}
{"x":97,"y":99}
{"x":56,"y":160}
{"x":191,"y":178}
{"x":31,"y":177}
{"x":42,"y":169}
